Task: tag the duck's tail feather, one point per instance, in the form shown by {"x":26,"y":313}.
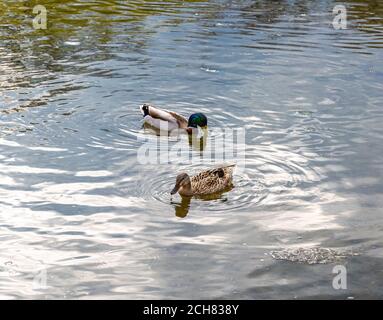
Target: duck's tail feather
{"x":224,"y":166}
{"x":229,"y":169}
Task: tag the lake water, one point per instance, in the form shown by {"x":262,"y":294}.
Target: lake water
{"x":82,"y":217}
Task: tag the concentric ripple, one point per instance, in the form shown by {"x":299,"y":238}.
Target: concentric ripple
{"x":236,"y":198}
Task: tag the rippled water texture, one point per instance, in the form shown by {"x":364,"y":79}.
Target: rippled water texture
{"x":79,"y":208}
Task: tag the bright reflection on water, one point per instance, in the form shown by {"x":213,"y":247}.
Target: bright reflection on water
{"x":75,"y":201}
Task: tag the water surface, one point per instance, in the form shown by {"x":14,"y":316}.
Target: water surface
{"x":76,"y":203}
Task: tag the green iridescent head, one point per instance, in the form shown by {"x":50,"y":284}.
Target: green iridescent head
{"x":197,"y":119}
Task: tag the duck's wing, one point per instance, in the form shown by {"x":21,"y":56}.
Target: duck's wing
{"x":213,"y":180}
{"x":181,"y":120}
{"x":162,"y":118}
{"x":218,"y":172}
{"x":205,"y":183}
{"x":159,"y":124}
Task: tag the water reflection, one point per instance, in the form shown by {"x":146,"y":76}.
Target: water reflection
{"x":182,"y":209}
{"x":198,"y":142}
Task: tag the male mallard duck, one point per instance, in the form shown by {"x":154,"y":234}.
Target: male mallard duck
{"x":205,"y":183}
{"x":165,"y":120}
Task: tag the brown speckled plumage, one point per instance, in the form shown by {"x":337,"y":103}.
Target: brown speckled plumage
{"x":205,"y":183}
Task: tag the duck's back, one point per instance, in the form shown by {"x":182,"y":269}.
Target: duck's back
{"x":212,"y":181}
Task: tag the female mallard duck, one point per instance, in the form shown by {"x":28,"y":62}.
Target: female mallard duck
{"x":165,"y":120}
{"x":205,"y":183}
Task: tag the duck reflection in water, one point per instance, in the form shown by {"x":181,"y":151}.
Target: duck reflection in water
{"x":198,"y":140}
{"x":181,"y":209}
